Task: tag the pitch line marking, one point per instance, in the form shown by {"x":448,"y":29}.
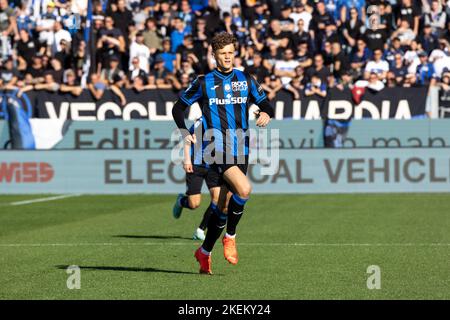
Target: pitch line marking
{"x":64,"y":196}
{"x":118,"y":244}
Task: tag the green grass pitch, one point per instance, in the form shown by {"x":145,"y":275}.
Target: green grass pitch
{"x":290,"y":247}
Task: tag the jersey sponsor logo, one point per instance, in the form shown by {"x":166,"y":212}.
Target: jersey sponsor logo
{"x":215,"y":87}
{"x":239,"y":85}
{"x":229,"y":100}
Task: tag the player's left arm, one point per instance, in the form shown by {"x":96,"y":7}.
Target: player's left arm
{"x":260,"y":99}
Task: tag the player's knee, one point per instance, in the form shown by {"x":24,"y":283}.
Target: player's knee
{"x":194,"y":203}
{"x":244,"y":191}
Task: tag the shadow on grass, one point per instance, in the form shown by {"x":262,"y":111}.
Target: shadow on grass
{"x":150,"y":237}
{"x":130,"y":269}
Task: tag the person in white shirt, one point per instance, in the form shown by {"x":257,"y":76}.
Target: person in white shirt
{"x":60,"y":34}
{"x":377,"y":66}
{"x":300,"y":13}
{"x":140,"y":50}
{"x":45,"y":24}
{"x":285,"y":69}
{"x":372,"y":83}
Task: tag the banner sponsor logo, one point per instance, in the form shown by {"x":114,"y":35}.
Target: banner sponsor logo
{"x":26,"y":172}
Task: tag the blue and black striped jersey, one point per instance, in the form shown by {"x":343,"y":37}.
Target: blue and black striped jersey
{"x":225,"y":100}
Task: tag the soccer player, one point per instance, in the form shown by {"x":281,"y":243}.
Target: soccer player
{"x":197,"y":171}
{"x":224,"y":96}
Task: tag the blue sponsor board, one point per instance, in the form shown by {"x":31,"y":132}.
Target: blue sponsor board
{"x":152,"y":171}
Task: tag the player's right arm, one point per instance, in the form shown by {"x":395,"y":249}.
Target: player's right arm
{"x":191,"y":95}
{"x":187,"y":163}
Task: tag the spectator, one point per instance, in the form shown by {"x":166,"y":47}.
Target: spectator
{"x":160,"y":72}
{"x":301,"y":36}
{"x":272,"y":86}
{"x":297,"y":82}
{"x":139,"y":50}
{"x":398,"y":70}
{"x":320,"y":21}
{"x":436,"y":18}
{"x":319,"y":70}
{"x":113,"y":74}
{"x":352,"y":28}
{"x":359,"y":57}
{"x":425,"y":74}
{"x":59,"y":35}
{"x":24,"y":21}
{"x":97,"y":86}
{"x":27,"y":48}
{"x":111,"y":42}
{"x":185,"y":50}
{"x":121,"y":17}
{"x":49,"y":83}
{"x":285,"y":69}
{"x":272,"y":56}
{"x":345,"y":81}
{"x":404,"y":33}
{"x":286,"y":22}
{"x":410,"y":13}
{"x":8,"y":27}
{"x":71,"y":84}
{"x":152,"y":37}
{"x":298,"y":14}
{"x":57,"y":70}
{"x":186,"y":15}
{"x":276,"y":36}
{"x":341,"y":63}
{"x":427,"y":39}
{"x":136,"y":71}
{"x":257,"y":70}
{"x":167,"y":56}
{"x":373,"y":82}
{"x":45,"y":26}
{"x":35,"y":72}
{"x":186,"y":69}
{"x":316,"y":87}
{"x":304,"y":56}
{"x":9,"y":74}
{"x":375,"y":38}
{"x":378,"y":66}
{"x":345,"y":8}
{"x":395,"y":48}
{"x":178,"y":33}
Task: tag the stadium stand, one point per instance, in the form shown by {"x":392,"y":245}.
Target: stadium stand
{"x":151,"y":44}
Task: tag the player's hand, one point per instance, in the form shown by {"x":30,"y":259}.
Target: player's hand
{"x":188,"y":167}
{"x":263,"y":119}
{"x":190,"y":139}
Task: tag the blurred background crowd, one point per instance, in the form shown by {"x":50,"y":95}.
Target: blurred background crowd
{"x":302,"y":46}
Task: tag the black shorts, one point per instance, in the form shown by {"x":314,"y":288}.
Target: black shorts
{"x":221,"y":168}
{"x":194,"y":180}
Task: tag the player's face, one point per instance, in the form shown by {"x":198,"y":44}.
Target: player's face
{"x":225,"y":58}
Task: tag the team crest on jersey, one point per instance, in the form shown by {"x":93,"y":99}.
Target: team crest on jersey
{"x":227,"y":87}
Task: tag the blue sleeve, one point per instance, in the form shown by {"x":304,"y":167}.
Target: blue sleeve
{"x":193,"y":93}
{"x":256,"y":91}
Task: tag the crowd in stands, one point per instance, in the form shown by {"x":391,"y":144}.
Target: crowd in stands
{"x":302,"y":46}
